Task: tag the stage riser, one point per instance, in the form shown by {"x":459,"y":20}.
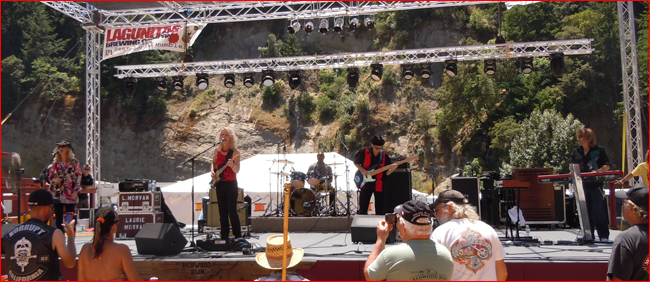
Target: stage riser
{"x":301,"y":224}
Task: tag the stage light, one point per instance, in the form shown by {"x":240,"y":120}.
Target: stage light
{"x":293,"y":27}
{"x":202,"y":81}
{"x":161,"y":83}
{"x":353,"y":24}
{"x":490,"y":66}
{"x":324,"y":26}
{"x":377,"y":71}
{"x":229,"y":80}
{"x":294,"y":79}
{"x":338,"y":24}
{"x":178,"y":82}
{"x":526,"y":65}
{"x":353,"y":77}
{"x":249,"y":81}
{"x":370,"y":23}
{"x":188,"y":59}
{"x":500,"y":40}
{"x":268,"y":78}
{"x":129,"y":85}
{"x":309,"y":27}
{"x":407,"y":72}
{"x":557,"y":64}
{"x":425,"y":71}
{"x":451,"y":68}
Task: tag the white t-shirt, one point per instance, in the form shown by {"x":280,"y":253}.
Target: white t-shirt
{"x":474,"y":247}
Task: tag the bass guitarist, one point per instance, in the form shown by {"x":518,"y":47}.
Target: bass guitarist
{"x":369,"y":159}
{"x":226,"y":182}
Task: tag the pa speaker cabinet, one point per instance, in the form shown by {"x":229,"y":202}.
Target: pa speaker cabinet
{"x":161,"y":239}
{"x":214,"y":217}
{"x":364,"y":229}
{"x":468,"y":186}
{"x":397,"y":188}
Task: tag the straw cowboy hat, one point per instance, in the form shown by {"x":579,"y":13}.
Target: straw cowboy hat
{"x":272,"y":258}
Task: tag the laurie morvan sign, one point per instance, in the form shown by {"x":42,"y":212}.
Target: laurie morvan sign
{"x":127,"y":40}
{"x":131,"y":223}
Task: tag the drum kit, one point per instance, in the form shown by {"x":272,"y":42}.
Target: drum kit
{"x":309,"y":193}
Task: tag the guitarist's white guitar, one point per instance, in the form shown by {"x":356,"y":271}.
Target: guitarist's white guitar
{"x":217,"y":177}
{"x":360,"y":180}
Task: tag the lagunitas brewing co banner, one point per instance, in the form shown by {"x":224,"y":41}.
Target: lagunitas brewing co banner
{"x":127,"y":40}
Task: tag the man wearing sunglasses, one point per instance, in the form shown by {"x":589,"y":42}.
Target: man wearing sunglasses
{"x":366,"y":160}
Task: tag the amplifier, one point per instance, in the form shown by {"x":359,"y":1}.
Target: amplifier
{"x":213,"y":214}
{"x":131,"y":185}
{"x":131,"y":222}
{"x":139,"y":201}
{"x":213,"y":195}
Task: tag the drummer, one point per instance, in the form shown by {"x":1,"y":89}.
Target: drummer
{"x":324,"y":173}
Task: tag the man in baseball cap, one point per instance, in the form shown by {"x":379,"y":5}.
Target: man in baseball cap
{"x":629,"y":258}
{"x":418,"y":258}
{"x":33,"y":248}
{"x":476,"y":248}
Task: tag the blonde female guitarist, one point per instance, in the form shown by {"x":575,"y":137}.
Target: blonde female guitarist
{"x":226,"y":155}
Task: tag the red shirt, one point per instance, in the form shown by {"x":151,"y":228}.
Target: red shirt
{"x":228,"y":173}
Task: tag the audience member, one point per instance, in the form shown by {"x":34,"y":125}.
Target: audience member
{"x":102,"y":258}
{"x":474,"y":245}
{"x":418,"y":258}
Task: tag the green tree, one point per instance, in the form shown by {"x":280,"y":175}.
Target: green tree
{"x":272,"y":49}
{"x":546,"y":139}
{"x":291,"y":47}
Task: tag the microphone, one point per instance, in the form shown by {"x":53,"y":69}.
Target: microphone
{"x":285,"y":147}
{"x":222,"y":139}
{"x":346,"y":147}
{"x":57,"y":151}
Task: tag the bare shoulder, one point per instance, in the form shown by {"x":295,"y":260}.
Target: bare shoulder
{"x":122,"y":248}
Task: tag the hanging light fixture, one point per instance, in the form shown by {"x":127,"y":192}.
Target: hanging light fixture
{"x":129,"y":85}
{"x":451,"y":67}
{"x":354,"y":23}
{"x":249,"y":80}
{"x":161,"y":83}
{"x":324,"y":25}
{"x":407,"y":72}
{"x":268,"y":78}
{"x":370,"y":23}
{"x":490,"y":66}
{"x":376,"y":72}
{"x":294,"y":79}
{"x":178,"y":82}
{"x":309,"y":27}
{"x":293,"y":27}
{"x":557,"y":64}
{"x":229,"y":80}
{"x":353,"y":77}
{"x":202,"y":81}
{"x":526,"y":65}
{"x":338,"y":24}
{"x":425,"y":71}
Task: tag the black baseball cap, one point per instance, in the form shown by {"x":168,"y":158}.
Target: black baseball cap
{"x":449,"y":196}
{"x":638,"y":195}
{"x":65,"y":142}
{"x":414,"y":210}
{"x":40,"y":197}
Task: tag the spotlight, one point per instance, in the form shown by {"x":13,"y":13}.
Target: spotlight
{"x":377,"y":71}
{"x":161,"y":83}
{"x":338,"y":24}
{"x":249,"y":81}
{"x":451,"y":68}
{"x":353,"y":77}
{"x":202,"y":81}
{"x":407,"y":72}
{"x":557,"y":64}
{"x":526,"y":65}
{"x":353,"y":24}
{"x":500,"y":40}
{"x":178,"y":82}
{"x":229,"y":80}
{"x":425,"y":71}
{"x":294,"y":79}
{"x":268,"y":78}
{"x":293,"y":27}
{"x":324,"y":26}
{"x":129,"y":85}
{"x":370,"y":23}
{"x":309,"y":27}
{"x":490,"y":66}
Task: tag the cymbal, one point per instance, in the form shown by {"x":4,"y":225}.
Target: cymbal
{"x":336,"y":164}
{"x":282,"y":161}
{"x":280,"y":173}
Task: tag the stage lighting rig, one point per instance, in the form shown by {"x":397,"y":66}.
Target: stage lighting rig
{"x":202,"y":81}
{"x":407,"y":72}
{"x":293,"y":27}
{"x":338,"y":24}
{"x":557,"y":64}
{"x":353,"y":77}
{"x":229,"y":80}
{"x":324,"y":26}
{"x":353,"y":24}
{"x":490,"y":66}
{"x":161,"y":83}
{"x":370,"y":23}
{"x":178,"y":82}
{"x":309,"y":27}
{"x":249,"y":80}
{"x":526,"y":65}
{"x":376,"y":72}
{"x":294,"y":79}
{"x":451,"y":67}
{"x":268,"y":78}
{"x":425,"y":71}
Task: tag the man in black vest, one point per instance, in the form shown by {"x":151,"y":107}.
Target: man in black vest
{"x":370,"y":159}
{"x":32,"y":249}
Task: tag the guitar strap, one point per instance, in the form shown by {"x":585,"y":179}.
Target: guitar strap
{"x":225,"y":162}
{"x":367,"y":164}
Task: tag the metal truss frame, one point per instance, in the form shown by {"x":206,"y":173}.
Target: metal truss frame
{"x":214,"y":12}
{"x":93,"y":65}
{"x":412,"y":56}
{"x":633,"y":132}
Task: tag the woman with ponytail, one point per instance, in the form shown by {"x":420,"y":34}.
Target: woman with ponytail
{"x":102,"y":258}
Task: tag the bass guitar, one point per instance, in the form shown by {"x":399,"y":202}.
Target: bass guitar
{"x":217,"y":177}
{"x":360,"y":180}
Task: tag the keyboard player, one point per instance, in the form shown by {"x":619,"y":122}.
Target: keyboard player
{"x":593,"y":158}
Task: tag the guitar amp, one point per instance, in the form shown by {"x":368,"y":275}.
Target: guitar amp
{"x":137,"y":185}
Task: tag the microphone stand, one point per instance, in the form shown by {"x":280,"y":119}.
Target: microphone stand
{"x":347,"y":179}
{"x":192,"y":244}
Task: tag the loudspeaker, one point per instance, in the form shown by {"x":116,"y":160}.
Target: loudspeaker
{"x":161,"y":239}
{"x":364,"y":229}
{"x":214,"y":217}
{"x":470,"y":187}
{"x":397,"y":189}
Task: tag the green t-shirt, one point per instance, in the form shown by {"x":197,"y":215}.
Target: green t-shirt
{"x":416,"y":260}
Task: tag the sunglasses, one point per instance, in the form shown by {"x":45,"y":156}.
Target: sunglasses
{"x":580,"y":136}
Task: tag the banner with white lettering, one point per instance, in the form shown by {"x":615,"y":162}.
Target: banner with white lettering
{"x":127,"y":40}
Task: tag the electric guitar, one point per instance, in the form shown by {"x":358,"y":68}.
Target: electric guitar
{"x":217,"y":177}
{"x":360,"y":180}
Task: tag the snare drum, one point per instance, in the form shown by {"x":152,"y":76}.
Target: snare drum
{"x":298,"y":179}
{"x":313,"y":177}
{"x":303,"y":201}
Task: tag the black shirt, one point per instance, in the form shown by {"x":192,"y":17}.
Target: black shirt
{"x":86,"y":180}
{"x":29,"y":254}
{"x":592,"y":160}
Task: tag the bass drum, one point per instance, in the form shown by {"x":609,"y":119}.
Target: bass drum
{"x":302,"y":202}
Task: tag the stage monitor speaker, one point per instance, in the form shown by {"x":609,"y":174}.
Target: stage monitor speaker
{"x":161,"y":239}
{"x":397,"y":189}
{"x":364,"y":229}
{"x":470,"y":187}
